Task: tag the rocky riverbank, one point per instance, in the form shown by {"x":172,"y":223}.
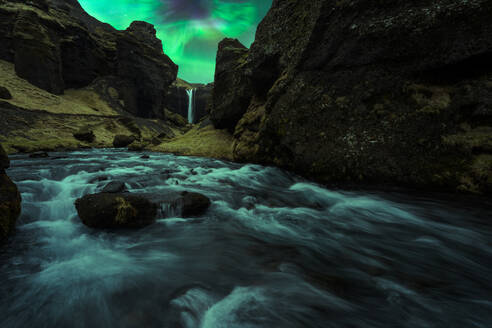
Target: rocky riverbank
{"x":10,"y":199}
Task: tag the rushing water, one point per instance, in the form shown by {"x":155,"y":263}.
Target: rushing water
{"x":273,"y":251}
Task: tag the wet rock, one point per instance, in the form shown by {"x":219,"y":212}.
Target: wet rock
{"x":112,"y":211}
{"x":99,"y":179}
{"x":114,"y":187}
{"x":145,"y":157}
{"x":4,"y":159}
{"x":5,"y":93}
{"x":10,"y":199}
{"x":39,"y":154}
{"x":121,"y":141}
{"x":192,"y":203}
{"x":85,"y":134}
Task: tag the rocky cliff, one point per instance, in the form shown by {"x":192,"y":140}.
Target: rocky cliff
{"x":10,"y":199}
{"x":363,"y":92}
{"x":232,"y":92}
{"x":56,"y":46}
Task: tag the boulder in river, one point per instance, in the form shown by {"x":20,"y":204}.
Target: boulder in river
{"x":39,"y":154}
{"x":121,"y":141}
{"x":191,"y":204}
{"x":10,"y":199}
{"x":112,"y":211}
{"x":114,"y":187}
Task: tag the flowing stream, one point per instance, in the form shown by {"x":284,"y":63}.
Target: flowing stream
{"x":273,"y":250}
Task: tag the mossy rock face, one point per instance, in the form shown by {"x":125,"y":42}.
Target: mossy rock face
{"x":342,"y":94}
{"x":115,"y":210}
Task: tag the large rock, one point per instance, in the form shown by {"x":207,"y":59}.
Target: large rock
{"x":232,"y":90}
{"x":114,"y":187}
{"x":191,"y":204}
{"x":365,"y":92}
{"x":111,"y":211}
{"x":10,"y":199}
{"x":121,"y":141}
{"x":85,"y":134}
{"x":56,"y":45}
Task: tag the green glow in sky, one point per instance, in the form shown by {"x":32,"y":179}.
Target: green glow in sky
{"x":189,"y":29}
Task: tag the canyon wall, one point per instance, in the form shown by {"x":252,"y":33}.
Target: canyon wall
{"x":365,"y":92}
{"x":56,"y":45}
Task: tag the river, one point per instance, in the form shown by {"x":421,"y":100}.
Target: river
{"x":273,"y":250}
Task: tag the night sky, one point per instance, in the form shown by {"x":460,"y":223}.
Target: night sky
{"x":189,"y":29}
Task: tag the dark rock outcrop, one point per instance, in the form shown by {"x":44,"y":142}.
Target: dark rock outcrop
{"x":39,"y":154}
{"x":177,"y":98}
{"x":5,"y":93}
{"x":10,"y":199}
{"x":232,"y":88}
{"x":121,"y":141}
{"x":114,"y":187}
{"x":392,"y":92}
{"x":85,"y":134}
{"x":55,"y":45}
{"x":203,"y":100}
{"x":112,"y":211}
{"x":191,"y":204}
{"x":146,"y":69}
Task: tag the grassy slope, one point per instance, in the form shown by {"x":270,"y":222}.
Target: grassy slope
{"x":205,"y":142}
{"x":44,"y":121}
{"x":28,"y":96}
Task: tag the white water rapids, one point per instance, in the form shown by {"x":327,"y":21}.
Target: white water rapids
{"x":274,"y":250}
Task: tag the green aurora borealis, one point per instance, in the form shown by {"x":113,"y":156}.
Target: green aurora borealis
{"x":189,"y":29}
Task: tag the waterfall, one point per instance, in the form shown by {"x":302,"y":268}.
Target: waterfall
{"x":191,"y":105}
